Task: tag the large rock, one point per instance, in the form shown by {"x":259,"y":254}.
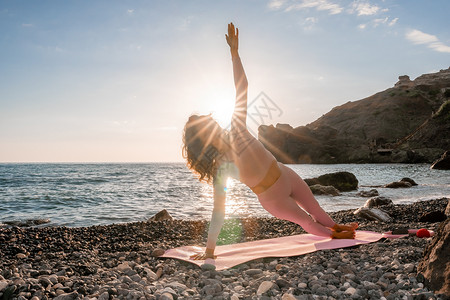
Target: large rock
{"x":343,"y":181}
{"x":371,"y":193}
{"x":162,"y":215}
{"x":318,"y":189}
{"x":443,"y":163}
{"x":372,"y":214}
{"x":398,"y":184}
{"x":435,"y":265}
{"x":406,"y":179}
{"x":378,"y":201}
{"x":311,"y":181}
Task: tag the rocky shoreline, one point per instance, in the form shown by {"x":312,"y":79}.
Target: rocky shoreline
{"x":119,"y":262}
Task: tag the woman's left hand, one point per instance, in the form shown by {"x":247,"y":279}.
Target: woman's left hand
{"x":202,"y":256}
{"x":233,"y":38}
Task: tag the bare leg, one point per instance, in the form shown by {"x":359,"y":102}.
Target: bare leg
{"x":277,"y":201}
{"x":302,"y":194}
{"x":287,"y":209}
{"x":305,"y":198}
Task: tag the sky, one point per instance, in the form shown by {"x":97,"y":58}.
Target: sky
{"x":115,"y":81}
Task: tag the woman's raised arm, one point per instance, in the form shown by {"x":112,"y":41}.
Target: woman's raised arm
{"x":240,"y":80}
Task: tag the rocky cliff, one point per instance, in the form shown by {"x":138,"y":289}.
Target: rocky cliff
{"x":409,"y":122}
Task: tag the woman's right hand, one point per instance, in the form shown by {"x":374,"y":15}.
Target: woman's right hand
{"x":233,"y":39}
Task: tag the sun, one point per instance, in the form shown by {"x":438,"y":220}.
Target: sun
{"x":222,"y":114}
{"x":221,"y":106}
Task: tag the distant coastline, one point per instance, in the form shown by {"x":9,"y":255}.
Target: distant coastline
{"x":403,"y":124}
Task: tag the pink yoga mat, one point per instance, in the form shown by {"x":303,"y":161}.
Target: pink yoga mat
{"x":235,"y":254}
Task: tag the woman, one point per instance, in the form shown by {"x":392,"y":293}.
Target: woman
{"x":216,"y":155}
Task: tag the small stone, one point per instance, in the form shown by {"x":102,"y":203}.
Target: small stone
{"x":178,"y":286}
{"x":302,"y":285}
{"x":282,"y":283}
{"x":125,"y":279}
{"x":170,"y":291}
{"x":238,"y":288}
{"x":264,"y":287}
{"x":71,"y":296}
{"x":53,"y":279}
{"x":45,"y":281}
{"x":150,"y":274}
{"x":409,"y":267}
{"x":21,"y":255}
{"x":3,"y":285}
{"x":123,"y":266}
{"x":350,"y":291}
{"x":288,"y":297}
{"x":57,"y":286}
{"x":208,"y":267}
{"x":251,"y":272}
{"x":9,"y":291}
{"x":166,"y":296}
{"x":104,"y":296}
{"x":157,"y":252}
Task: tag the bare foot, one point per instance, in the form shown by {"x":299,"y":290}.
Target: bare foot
{"x":343,"y":235}
{"x":347,"y":227}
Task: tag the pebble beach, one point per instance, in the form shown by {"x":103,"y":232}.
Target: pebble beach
{"x":120,"y":261}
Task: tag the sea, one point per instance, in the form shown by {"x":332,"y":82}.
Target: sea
{"x":78,"y":194}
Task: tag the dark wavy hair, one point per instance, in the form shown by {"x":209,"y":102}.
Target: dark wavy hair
{"x":201,"y":156}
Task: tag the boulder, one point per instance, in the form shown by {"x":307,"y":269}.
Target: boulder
{"x":162,"y":215}
{"x":372,"y":214}
{"x":398,"y":184}
{"x":343,"y":181}
{"x":318,"y":189}
{"x":435,"y":265}
{"x":443,"y":163}
{"x":433,"y":217}
{"x":378,"y":201}
{"x":406,"y":179}
{"x":311,"y":181}
{"x":371,"y":193}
